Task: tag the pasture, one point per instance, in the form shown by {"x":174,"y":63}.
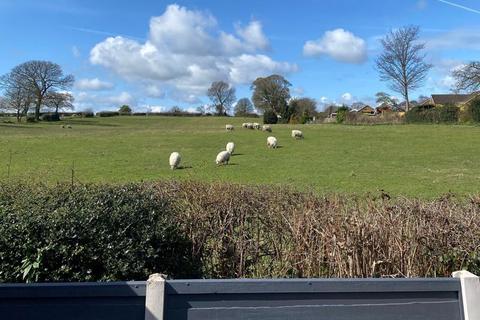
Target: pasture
{"x":413,"y":160}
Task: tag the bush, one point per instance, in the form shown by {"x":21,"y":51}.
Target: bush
{"x":107,"y":114}
{"x":269,"y":117}
{"x":475,"y":109}
{"x":423,"y":114}
{"x":342,"y":114}
{"x":448,"y":114}
{"x":357,"y":118}
{"x":125,"y":110}
{"x":50,"y":117}
{"x":88,"y":233}
{"x":30,"y":118}
{"x":88,"y":114}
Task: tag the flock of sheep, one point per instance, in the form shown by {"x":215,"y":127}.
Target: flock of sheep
{"x":224,"y":156}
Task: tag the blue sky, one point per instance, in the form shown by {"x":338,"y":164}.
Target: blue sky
{"x":156,"y":54}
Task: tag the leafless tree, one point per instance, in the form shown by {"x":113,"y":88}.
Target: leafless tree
{"x":16,"y":98}
{"x":222,"y":96}
{"x":402,"y":62}
{"x":271,"y":93}
{"x":467,"y":77}
{"x":59,"y":100}
{"x":38,"y":78}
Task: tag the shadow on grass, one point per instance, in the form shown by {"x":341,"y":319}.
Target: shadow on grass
{"x":88,"y":123}
{"x":184,"y":167}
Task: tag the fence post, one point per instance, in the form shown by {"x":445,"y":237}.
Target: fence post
{"x":470,"y":294}
{"x":155,"y":297}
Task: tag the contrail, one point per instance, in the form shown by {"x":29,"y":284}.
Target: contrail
{"x":459,"y":6}
{"x":105,"y":33}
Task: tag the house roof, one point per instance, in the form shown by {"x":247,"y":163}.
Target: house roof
{"x":366,"y":108}
{"x":453,"y":98}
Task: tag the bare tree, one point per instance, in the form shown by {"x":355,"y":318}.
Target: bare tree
{"x":59,"y":100}
{"x":402,"y":62}
{"x":16,"y":98}
{"x":467,"y":77}
{"x":243,"y":107}
{"x":222,"y":96}
{"x":38,"y":78}
{"x":271,"y":93}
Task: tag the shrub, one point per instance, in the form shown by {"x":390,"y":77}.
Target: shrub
{"x":269,"y":117}
{"x":422,"y":114}
{"x":448,"y":114}
{"x":342,"y":114}
{"x":30,"y":118}
{"x":88,"y":114}
{"x":107,"y":114}
{"x":125,"y":110}
{"x":88,"y":233}
{"x":475,"y":109}
{"x":356,"y":118}
{"x":50,"y":117}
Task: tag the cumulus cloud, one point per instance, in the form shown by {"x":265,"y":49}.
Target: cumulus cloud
{"x":347,"y":97}
{"x":97,"y":102}
{"x":185,"y":52}
{"x":339,"y":44}
{"x":93,"y":84}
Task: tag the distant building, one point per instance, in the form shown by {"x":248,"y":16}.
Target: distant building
{"x":383,"y":108}
{"x":367,"y":110}
{"x":454,"y":99}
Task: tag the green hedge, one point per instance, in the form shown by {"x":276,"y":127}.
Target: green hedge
{"x":433,"y":114}
{"x":108,"y":114}
{"x":88,"y":233}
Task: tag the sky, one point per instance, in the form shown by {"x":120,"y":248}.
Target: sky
{"x":153,"y":55}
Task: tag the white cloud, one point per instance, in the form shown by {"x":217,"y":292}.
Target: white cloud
{"x":93,"y":84}
{"x":339,"y":44}
{"x":186,"y":51}
{"x":97,"y":102}
{"x":456,"y":39}
{"x":347,"y":97}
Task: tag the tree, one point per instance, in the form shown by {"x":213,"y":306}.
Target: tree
{"x":222,"y":96}
{"x":38,"y":79}
{"x":402,"y":62}
{"x":382,"y":97}
{"x":59,"y":100}
{"x":125,"y":109}
{"x":243,"y":107}
{"x":18,"y":100}
{"x":467,"y":77}
{"x":304,"y":109}
{"x":271,"y":93}
{"x":175,"y":109}
{"x":201,"y":109}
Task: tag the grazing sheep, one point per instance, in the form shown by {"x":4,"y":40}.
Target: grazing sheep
{"x":174,"y":160}
{"x":63,"y":126}
{"x":223,"y":157}
{"x":229,"y":127}
{"x":297,"y":134}
{"x":230,"y":147}
{"x":267,"y":128}
{"x":256,"y":125}
{"x":272,"y":142}
{"x":250,"y":126}
{"x":245,"y":125}
{"x":69,"y":126}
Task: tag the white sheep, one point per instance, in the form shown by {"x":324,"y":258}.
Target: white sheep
{"x":174,"y":160}
{"x":69,"y":126}
{"x":266,"y":127}
{"x":230,"y":147}
{"x":223,"y":157}
{"x":244,"y":125}
{"x":272,"y":142}
{"x":297,"y":134}
{"x":250,"y":126}
{"x":229,"y":127}
{"x":256,"y":125}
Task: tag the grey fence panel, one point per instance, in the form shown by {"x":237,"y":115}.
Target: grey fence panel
{"x":302,"y":299}
{"x":82,"y":301}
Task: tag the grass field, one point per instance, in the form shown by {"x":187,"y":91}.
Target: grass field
{"x":413,"y":160}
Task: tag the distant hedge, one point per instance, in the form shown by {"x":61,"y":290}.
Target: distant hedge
{"x":221,"y":230}
{"x":107,"y":113}
{"x":433,"y":114}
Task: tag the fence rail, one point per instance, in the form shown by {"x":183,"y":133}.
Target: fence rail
{"x":299,"y":299}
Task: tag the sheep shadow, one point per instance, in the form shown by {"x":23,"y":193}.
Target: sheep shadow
{"x":184,"y":167}
{"x":237,"y":154}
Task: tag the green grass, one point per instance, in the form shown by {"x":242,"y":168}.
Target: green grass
{"x":412,"y":160}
